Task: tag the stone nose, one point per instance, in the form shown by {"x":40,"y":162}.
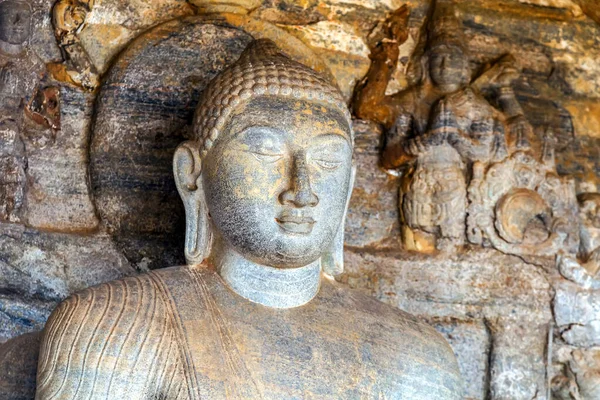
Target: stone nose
{"x":299,"y":193}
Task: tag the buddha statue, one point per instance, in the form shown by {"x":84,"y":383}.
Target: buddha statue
{"x":265,"y":182}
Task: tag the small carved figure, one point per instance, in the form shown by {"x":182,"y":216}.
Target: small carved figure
{"x":584,"y":270}
{"x":265,"y":182}
{"x":589,"y":213}
{"x":451,"y":148}
{"x":520,"y":205}
{"x":11,"y":89}
{"x":15,"y":26}
{"x":68,"y":18}
{"x":498,"y":79}
{"x":12,"y":151}
{"x":580,"y":379}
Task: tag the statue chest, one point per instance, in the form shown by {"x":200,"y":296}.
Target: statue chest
{"x":232,"y":348}
{"x":282,"y":361}
{"x":334,"y":347}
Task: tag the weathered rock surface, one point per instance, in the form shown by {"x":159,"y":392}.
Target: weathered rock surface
{"x":475,"y":283}
{"x":576,"y":373}
{"x":518,"y":357}
{"x":38,"y":269}
{"x":58,"y":195}
{"x":53,"y":265}
{"x":12,"y":172}
{"x":471,"y":342}
{"x":20,"y":315}
{"x":577,"y":314}
{"x":502,"y":304}
{"x":111,"y":25}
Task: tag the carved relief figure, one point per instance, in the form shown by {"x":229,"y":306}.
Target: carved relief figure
{"x":68,"y":18}
{"x":497,"y":81}
{"x":589,"y":213}
{"x":447,"y":141}
{"x":521,"y":206}
{"x":265,"y":183}
{"x":12,"y":171}
{"x":584,"y":269}
{"x":15,"y":30}
{"x":436,"y":129}
{"x":15,"y":26}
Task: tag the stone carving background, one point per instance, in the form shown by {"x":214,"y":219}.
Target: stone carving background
{"x":518,"y":328}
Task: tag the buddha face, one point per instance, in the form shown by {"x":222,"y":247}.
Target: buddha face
{"x":15,"y":22}
{"x":448,"y":67}
{"x":277,"y":178}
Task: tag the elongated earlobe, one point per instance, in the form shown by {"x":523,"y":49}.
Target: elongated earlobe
{"x":332,"y":262}
{"x":187,"y":167}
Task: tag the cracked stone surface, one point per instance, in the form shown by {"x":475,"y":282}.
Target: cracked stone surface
{"x":483,"y":302}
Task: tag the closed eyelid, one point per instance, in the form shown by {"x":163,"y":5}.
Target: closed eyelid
{"x":266,"y":157}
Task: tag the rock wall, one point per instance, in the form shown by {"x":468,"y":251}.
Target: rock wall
{"x":519,"y":329}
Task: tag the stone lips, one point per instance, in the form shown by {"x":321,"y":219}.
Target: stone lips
{"x":262,"y":70}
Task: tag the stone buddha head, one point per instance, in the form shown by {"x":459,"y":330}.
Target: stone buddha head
{"x":268,"y":173}
{"x":15,"y":25}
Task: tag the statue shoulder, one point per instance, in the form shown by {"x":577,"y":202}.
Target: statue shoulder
{"x":402,"y":322}
{"x":137,"y":290}
{"x":125,"y":291}
{"x":422,"y":355}
{"x":18,"y":365}
{"x":96,"y":340}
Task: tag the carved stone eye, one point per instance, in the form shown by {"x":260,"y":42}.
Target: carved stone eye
{"x":267,"y":157}
{"x":328,"y":164}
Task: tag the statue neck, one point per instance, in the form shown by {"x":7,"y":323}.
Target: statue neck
{"x":271,"y":287}
{"x":448,"y":88}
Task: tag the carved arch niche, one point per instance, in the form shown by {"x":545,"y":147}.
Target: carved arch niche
{"x":143,"y":110}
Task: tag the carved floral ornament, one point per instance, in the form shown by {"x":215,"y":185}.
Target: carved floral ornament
{"x":522,"y":207}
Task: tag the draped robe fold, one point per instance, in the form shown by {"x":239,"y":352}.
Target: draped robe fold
{"x":181,"y":333}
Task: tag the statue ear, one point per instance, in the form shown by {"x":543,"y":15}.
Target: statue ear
{"x":187,"y":168}
{"x":332,"y":262}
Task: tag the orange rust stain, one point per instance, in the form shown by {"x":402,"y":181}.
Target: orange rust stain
{"x":586,"y":117}
{"x":59,"y":72}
